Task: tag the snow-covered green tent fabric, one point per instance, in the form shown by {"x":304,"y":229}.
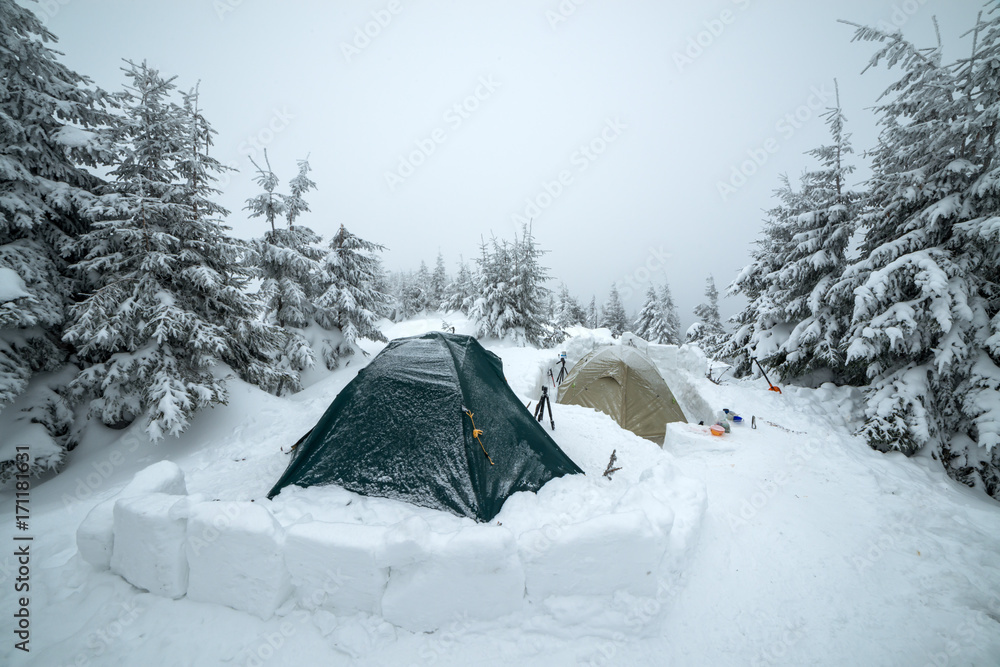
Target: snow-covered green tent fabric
{"x":402,"y":429}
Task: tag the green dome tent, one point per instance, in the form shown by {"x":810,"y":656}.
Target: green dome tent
{"x":430,"y":421}
{"x":622,"y":382}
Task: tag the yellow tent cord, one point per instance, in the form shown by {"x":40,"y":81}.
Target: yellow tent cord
{"x":476,"y":433}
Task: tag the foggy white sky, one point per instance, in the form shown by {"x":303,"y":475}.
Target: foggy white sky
{"x":533,"y":90}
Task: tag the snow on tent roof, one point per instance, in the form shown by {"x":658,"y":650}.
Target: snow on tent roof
{"x":622,"y":382}
{"x":401,"y":430}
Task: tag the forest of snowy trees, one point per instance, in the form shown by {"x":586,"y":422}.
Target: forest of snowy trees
{"x":913,"y":314}
{"x":124,"y":298}
{"x":504,"y":292}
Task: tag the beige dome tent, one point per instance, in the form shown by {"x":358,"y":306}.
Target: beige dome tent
{"x":623,"y":383}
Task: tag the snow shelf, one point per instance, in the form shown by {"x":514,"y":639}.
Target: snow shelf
{"x":419,"y":569}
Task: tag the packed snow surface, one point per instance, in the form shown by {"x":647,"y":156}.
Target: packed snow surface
{"x":792,"y":543}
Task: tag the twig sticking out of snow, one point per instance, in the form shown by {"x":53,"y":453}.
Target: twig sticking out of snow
{"x":610,"y":470}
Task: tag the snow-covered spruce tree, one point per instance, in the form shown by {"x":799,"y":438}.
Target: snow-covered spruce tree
{"x":53,"y":126}
{"x":437,"y":291}
{"x":593,"y":316}
{"x":493,"y":309}
{"x":383,"y":282}
{"x":287,"y":259}
{"x":613,"y":315}
{"x":816,"y":260}
{"x":577,"y":312}
{"x":511,"y":291}
{"x":425,"y":298}
{"x":707,"y":332}
{"x":351,"y":302}
{"x":755,"y":326}
{"x":166,"y":305}
{"x":294,"y":203}
{"x":672,"y":334}
{"x":568,"y":311}
{"x":219,"y":268}
{"x":461,"y":292}
{"x":980,"y":234}
{"x":528,"y":285}
{"x":925,"y":296}
{"x":651,"y":324}
{"x":793,"y":323}
{"x":404,"y":296}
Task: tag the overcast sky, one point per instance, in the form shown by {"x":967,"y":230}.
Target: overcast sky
{"x":612,"y":122}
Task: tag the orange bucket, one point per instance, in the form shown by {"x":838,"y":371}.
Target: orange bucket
{"x":716,"y":430}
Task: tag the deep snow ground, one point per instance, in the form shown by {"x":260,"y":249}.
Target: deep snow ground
{"x":814,"y":550}
{"x":817,"y":550}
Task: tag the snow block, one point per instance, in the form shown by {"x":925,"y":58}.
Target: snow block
{"x":95,"y":536}
{"x":472,"y":574}
{"x":332,"y":566}
{"x":162,"y":477}
{"x":234,"y":550}
{"x":600,"y":556}
{"x":405,"y":543}
{"x":585,"y":341}
{"x":691,"y":359}
{"x":664,"y":356}
{"x":149,"y":545}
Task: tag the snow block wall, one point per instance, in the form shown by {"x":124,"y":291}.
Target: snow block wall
{"x":577,"y":536}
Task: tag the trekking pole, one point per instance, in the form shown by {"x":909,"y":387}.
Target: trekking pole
{"x":770,"y":387}
{"x":552,"y":377}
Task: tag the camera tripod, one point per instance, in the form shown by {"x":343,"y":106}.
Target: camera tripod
{"x":562,"y":371}
{"x":540,"y":408}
